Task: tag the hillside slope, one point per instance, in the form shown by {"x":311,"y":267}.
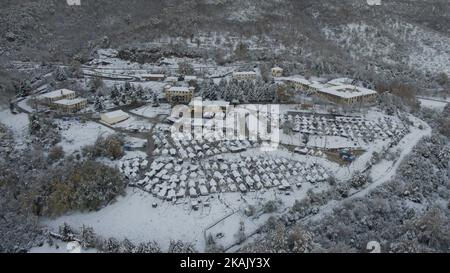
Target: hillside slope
{"x":407,"y":38}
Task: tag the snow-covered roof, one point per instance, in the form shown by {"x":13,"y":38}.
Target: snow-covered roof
{"x":56,"y":94}
{"x":340,"y":81}
{"x":179,"y":89}
{"x":172,"y":79}
{"x":115,"y":114}
{"x":153,"y":75}
{"x":70,"y":102}
{"x":190,"y":78}
{"x":317,"y":85}
{"x":296,"y":79}
{"x":244,"y":73}
{"x":209,"y":103}
{"x":277,"y":68}
{"x":347,"y":91}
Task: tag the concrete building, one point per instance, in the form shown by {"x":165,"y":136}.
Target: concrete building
{"x":277,"y":71}
{"x":70,"y":105}
{"x":179,"y":94}
{"x":114,"y":117}
{"x":299,"y":83}
{"x":347,"y":94}
{"x":56,"y":95}
{"x":246,"y":75}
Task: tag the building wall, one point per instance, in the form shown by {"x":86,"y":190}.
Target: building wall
{"x":156,"y":79}
{"x":72,"y":107}
{"x":301,"y":86}
{"x":341,"y":100}
{"x":277,"y":72}
{"x":176,"y":96}
{"x":245,"y":77}
{"x":61,"y":97}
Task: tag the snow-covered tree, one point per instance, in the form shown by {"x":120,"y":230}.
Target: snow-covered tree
{"x":99,"y":104}
{"x":60,"y":74}
{"x":87,"y":237}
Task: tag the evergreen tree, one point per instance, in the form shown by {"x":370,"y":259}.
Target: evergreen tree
{"x":114,"y":93}
{"x":87,"y":237}
{"x":99,"y":106}
{"x":155,"y":99}
{"x":140,"y":94}
{"x":60,"y":74}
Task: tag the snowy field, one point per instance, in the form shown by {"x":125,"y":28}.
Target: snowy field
{"x":134,"y":123}
{"x":76,"y":135}
{"x":18,"y":124}
{"x":433,"y":104}
{"x":134,"y":217}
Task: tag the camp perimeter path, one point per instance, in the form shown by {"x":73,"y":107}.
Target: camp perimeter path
{"x":383,"y":171}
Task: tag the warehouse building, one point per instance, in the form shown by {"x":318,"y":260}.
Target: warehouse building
{"x":114,"y":117}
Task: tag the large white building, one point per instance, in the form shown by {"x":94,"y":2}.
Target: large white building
{"x":347,"y":94}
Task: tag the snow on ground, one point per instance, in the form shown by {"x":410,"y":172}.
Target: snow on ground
{"x":18,"y":124}
{"x":75,"y":134}
{"x":152,"y":112}
{"x":135,"y":142}
{"x":433,"y":104}
{"x":58,"y":247}
{"x":384,"y":172}
{"x":24,"y":104}
{"x":133,"y":217}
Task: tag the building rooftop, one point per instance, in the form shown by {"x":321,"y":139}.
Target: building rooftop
{"x":154,"y":75}
{"x":347,"y":91}
{"x":340,"y":81}
{"x":56,"y":94}
{"x":115,"y":114}
{"x":297,"y":79}
{"x":190,"y":78}
{"x":179,"y":89}
{"x":209,"y":103}
{"x":245,"y":73}
{"x":70,"y":102}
